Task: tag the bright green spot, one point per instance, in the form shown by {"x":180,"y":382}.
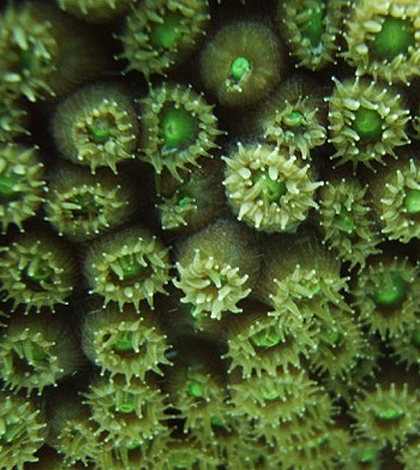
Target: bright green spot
{"x":179,"y":127}
{"x":266,"y":338}
{"x":415,"y":337}
{"x":390,"y":414}
{"x":183,"y":201}
{"x":217,"y":421}
{"x":7,"y":187}
{"x":195,"y":389}
{"x":391,"y":290}
{"x":269,"y":395}
{"x":311,"y":21}
{"x":394,"y":38}
{"x":124,"y":342}
{"x":125,"y":403}
{"x":270,"y":190}
{"x":412,"y":201}
{"x":101,"y":130}
{"x":165,"y":35}
{"x":130,"y":267}
{"x":345,"y":222}
{"x":367,"y":455}
{"x":367,"y":123}
{"x":239,"y":68}
{"x":313,"y":286}
{"x":295,"y":119}
{"x":134,"y":444}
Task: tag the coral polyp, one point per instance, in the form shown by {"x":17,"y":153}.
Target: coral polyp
{"x":127,"y":267}
{"x":269,"y":189}
{"x":217,"y":268}
{"x":120,"y":341}
{"x":97,"y":126}
{"x":82,"y":206}
{"x":232,"y":67}
{"x":311,"y":29}
{"x":383,"y":41}
{"x":178,"y":127}
{"x":160,"y":34}
{"x":38,"y":270}
{"x":366,"y":121}
{"x":23,"y":430}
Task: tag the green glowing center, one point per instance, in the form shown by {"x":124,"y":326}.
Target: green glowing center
{"x":100,"y":130}
{"x":239,"y":68}
{"x":270,"y":190}
{"x":134,"y":444}
{"x":391,"y":290}
{"x":124,"y":342}
{"x":128,"y":267}
{"x":395,"y":37}
{"x":311,"y":21}
{"x":266,"y":338}
{"x":367,"y":123}
{"x":311,"y":286}
{"x":295,"y":119}
{"x":390,"y":412}
{"x":39,"y":271}
{"x":125,"y":403}
{"x":195,"y":388}
{"x":8,"y":187}
{"x":367,"y":455}
{"x":269,"y":395}
{"x":165,"y":34}
{"x":178,"y":126}
{"x":345,"y":222}
{"x":411,"y":201}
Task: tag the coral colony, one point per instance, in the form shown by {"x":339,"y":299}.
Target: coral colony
{"x":209,"y":245}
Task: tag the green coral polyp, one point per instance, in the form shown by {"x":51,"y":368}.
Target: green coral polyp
{"x":179,"y":127}
{"x":395,"y":37}
{"x":165,"y":34}
{"x":367,"y":123}
{"x":391,"y":291}
{"x":311,"y":21}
